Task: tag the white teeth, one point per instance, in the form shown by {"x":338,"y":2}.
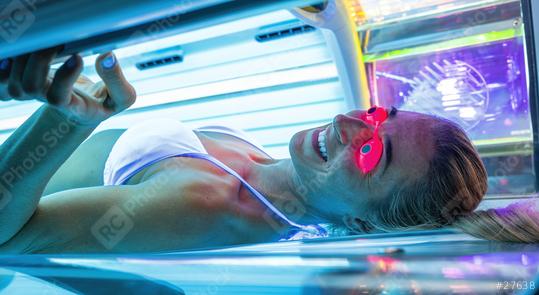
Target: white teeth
{"x":322,"y":144}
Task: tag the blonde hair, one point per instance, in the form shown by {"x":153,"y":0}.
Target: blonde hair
{"x":518,"y":222}
{"x":451,"y":190}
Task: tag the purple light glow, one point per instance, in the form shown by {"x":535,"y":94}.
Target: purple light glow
{"x":483,"y":88}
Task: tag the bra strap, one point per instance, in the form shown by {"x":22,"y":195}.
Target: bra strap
{"x":315,"y":229}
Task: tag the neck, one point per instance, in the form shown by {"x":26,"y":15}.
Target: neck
{"x":279,"y":183}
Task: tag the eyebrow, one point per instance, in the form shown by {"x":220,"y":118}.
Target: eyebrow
{"x":388,"y":145}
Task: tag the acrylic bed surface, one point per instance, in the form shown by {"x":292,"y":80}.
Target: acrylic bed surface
{"x":430,"y":261}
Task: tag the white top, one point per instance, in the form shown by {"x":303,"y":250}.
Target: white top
{"x":151,"y":141}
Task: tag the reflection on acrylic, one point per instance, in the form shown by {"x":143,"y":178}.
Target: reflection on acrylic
{"x":482,"y":88}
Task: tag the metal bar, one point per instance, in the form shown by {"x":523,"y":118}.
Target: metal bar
{"x":86,"y":27}
{"x":530,"y":10}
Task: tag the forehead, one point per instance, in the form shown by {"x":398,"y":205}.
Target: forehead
{"x":412,"y":144}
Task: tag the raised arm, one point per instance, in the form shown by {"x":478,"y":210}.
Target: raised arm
{"x":74,"y":107}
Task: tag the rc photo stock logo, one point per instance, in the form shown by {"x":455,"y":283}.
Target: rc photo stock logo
{"x":15,"y":19}
{"x":112,"y":227}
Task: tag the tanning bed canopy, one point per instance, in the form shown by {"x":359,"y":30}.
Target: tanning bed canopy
{"x":86,"y":27}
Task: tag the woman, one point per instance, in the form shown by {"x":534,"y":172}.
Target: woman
{"x":161,"y":187}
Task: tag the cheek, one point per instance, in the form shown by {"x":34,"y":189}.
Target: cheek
{"x":345,"y":176}
{"x":347,"y":164}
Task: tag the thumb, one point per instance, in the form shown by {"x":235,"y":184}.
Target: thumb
{"x":121,"y":93}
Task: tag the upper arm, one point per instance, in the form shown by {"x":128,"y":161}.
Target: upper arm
{"x":92,"y":155}
{"x":144,"y":217}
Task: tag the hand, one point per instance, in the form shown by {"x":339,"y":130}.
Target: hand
{"x":79,"y":99}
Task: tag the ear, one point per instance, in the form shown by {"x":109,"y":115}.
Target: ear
{"x":356,"y":224}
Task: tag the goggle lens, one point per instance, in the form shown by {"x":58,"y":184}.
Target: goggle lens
{"x":370,"y":153}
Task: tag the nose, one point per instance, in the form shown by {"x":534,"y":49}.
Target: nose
{"x":352,"y":130}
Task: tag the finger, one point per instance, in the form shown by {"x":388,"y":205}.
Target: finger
{"x":59,"y":92}
{"x":15,"y":76}
{"x":36,"y":73}
{"x":122,"y":94}
{"x":5,"y":68}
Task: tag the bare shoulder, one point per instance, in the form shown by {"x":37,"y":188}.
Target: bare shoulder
{"x":194,"y":183}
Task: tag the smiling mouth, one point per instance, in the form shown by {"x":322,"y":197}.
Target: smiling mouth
{"x":322,"y":150}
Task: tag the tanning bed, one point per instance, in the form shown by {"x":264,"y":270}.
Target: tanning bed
{"x":471,"y":61}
